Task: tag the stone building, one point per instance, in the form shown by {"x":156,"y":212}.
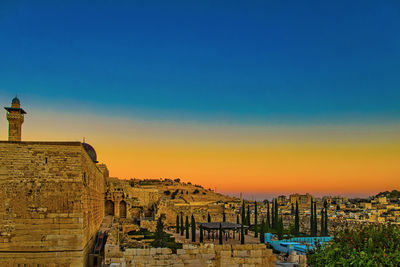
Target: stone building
{"x":301,"y":199}
{"x":52,"y":199}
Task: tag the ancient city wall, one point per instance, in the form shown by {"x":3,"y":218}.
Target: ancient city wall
{"x":52,"y":201}
{"x":204,"y":255}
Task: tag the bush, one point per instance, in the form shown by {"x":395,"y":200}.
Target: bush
{"x":367,"y":245}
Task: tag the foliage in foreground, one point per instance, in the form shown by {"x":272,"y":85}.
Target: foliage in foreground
{"x":367,"y":245}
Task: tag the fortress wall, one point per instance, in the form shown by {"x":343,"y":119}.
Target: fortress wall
{"x":45,"y":206}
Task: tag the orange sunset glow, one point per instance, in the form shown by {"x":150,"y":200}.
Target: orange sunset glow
{"x":330,"y":159}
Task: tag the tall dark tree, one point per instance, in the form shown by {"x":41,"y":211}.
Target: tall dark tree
{"x":297,"y":220}
{"x":220,"y":233}
{"x":209,"y":218}
{"x":177,"y":223}
{"x":182,"y":226}
{"x":276,"y":216}
{"x":273,"y":215}
{"x":187,"y":227}
{"x":315,"y":219}
{"x":193,"y":229}
{"x":326,"y":222}
{"x":255,"y":220}
{"x":248,"y":215}
{"x":312,"y":219}
{"x":262,"y":232}
{"x":201,"y":234}
{"x":268,"y":222}
{"x":280,"y":228}
{"x":223,"y":217}
{"x":292,"y":210}
{"x":242,"y":233}
{"x":159,"y":240}
{"x":322,"y":222}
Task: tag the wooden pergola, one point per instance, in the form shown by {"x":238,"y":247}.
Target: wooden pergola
{"x":228,"y":229}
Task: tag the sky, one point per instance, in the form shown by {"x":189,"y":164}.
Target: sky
{"x":259,"y":97}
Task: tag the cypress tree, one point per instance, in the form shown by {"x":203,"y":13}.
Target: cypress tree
{"x":201,"y":234}
{"x":297,"y":220}
{"x":262,"y":232}
{"x":255,"y":220}
{"x":276,"y":216}
{"x":177,"y":223}
{"x":322,"y":222}
{"x":292,"y":210}
{"x":223,"y":217}
{"x":209,"y":217}
{"x":193,"y":229}
{"x":182,"y":226}
{"x":242,"y":234}
{"x":280,"y":228}
{"x":312,"y":219}
{"x":187,"y":227}
{"x":248,"y":219}
{"x":273,"y":215}
{"x":326,"y":222}
{"x":315,"y":219}
{"x":220,"y":233}
{"x":268,"y":222}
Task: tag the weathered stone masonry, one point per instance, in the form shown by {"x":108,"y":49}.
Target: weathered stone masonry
{"x":51,"y":201}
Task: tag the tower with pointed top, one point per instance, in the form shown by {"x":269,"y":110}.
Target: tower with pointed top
{"x":15,"y":117}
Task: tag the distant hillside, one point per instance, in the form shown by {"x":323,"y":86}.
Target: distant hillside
{"x":388,"y":194}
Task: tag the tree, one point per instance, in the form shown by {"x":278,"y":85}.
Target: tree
{"x":262,"y":232}
{"x":248,"y":219}
{"x":182,"y":226}
{"x":223,"y":217}
{"x":322,"y":222}
{"x":255,"y":220}
{"x":297,"y":220}
{"x":201,"y":234}
{"x":159,"y":240}
{"x":193,"y":229}
{"x":242,"y":234}
{"x":187,"y":227}
{"x":268,"y":222}
{"x":292,"y":210}
{"x":276,"y":216}
{"x":312,"y":219}
{"x":360,"y":245}
{"x":273,"y":215}
{"x":326,"y":222}
{"x":280,"y":228}
{"x":243,"y":215}
{"x":209,"y":217}
{"x":315,"y":219}
{"x":220,"y":233}
{"x":177,"y":223}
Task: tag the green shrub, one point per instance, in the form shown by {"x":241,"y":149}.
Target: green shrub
{"x":367,"y":245}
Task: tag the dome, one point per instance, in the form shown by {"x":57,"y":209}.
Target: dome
{"x":91,"y":152}
{"x":15,"y":101}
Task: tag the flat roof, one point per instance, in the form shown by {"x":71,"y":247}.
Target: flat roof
{"x":62,"y":143}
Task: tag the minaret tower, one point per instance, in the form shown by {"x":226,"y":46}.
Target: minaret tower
{"x":15,"y":117}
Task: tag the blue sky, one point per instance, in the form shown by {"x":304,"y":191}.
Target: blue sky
{"x":231,"y":61}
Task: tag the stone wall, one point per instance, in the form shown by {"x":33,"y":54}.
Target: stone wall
{"x":191,"y":255}
{"x":52,"y":201}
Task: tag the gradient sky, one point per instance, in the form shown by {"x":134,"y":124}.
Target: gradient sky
{"x":245,"y":96}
